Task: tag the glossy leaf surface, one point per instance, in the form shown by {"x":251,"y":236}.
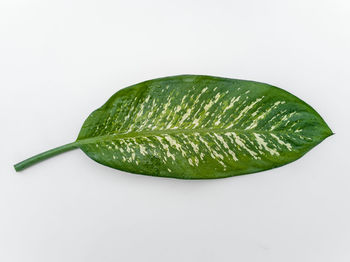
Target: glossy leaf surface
{"x":197,"y":127}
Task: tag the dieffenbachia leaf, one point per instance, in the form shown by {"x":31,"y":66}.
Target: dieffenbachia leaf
{"x":195,"y":127}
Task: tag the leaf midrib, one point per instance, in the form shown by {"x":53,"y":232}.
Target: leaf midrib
{"x":149,"y":133}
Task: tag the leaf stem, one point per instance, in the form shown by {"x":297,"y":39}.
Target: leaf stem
{"x":45,"y":155}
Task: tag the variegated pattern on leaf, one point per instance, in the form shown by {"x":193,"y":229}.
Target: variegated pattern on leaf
{"x":196,"y":127}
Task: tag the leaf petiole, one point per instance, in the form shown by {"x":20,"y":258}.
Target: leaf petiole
{"x":45,"y":155}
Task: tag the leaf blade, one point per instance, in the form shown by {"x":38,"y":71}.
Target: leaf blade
{"x":201,"y":127}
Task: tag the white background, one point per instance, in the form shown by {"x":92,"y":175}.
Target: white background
{"x":60,"y":60}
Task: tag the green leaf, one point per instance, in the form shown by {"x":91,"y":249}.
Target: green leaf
{"x":197,"y":127}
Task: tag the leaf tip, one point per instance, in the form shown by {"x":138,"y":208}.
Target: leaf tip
{"x":329,"y":133}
